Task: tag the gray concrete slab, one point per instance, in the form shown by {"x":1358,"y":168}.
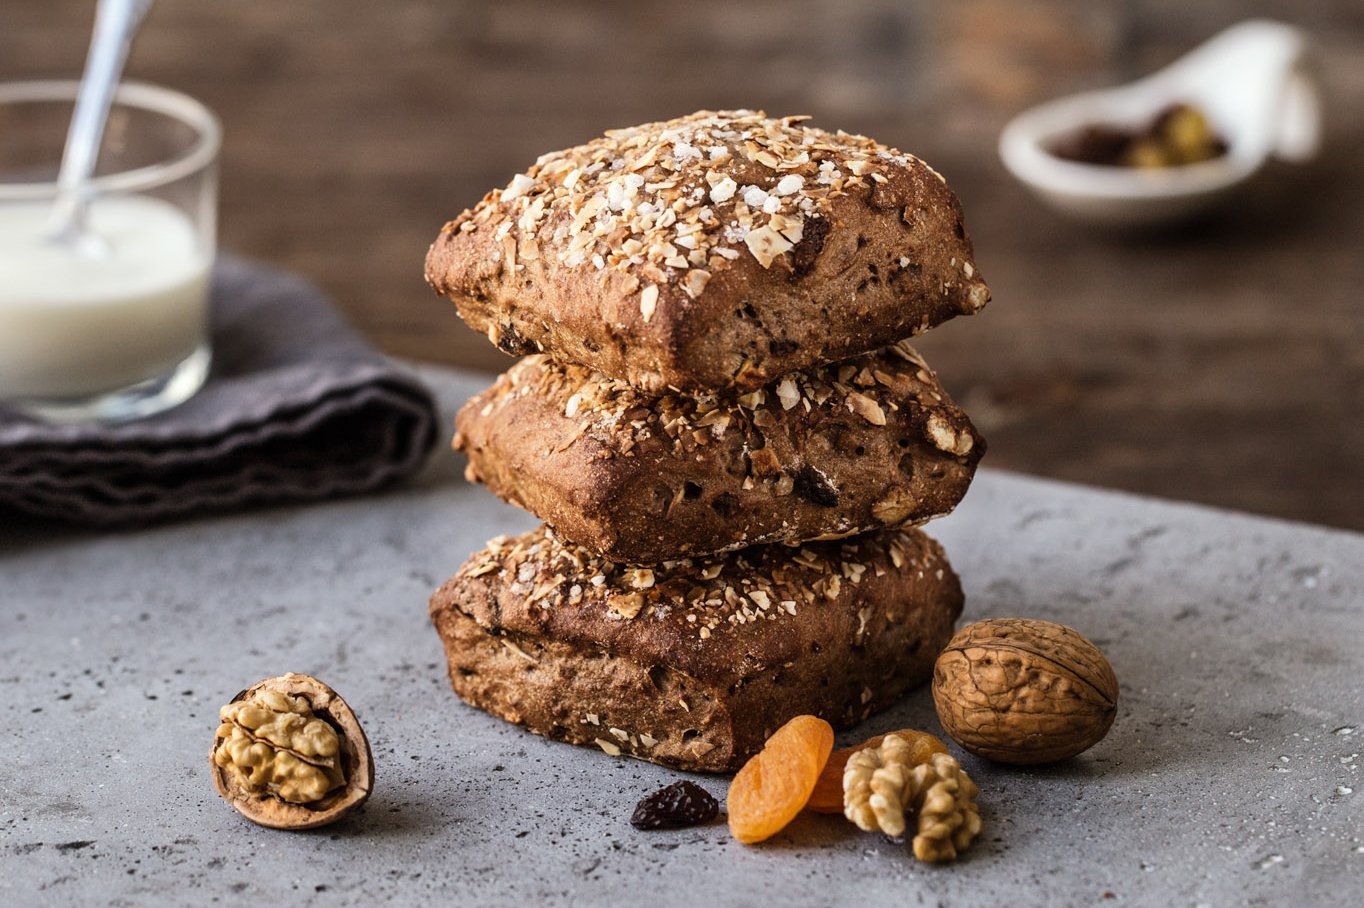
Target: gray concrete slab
{"x":1229,"y":778}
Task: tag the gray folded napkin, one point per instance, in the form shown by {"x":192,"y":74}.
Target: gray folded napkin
{"x":297,"y":407}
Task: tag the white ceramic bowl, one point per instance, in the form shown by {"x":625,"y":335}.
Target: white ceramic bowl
{"x":1248,"y":80}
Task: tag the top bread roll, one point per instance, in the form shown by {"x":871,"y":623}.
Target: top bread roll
{"x":716,"y":250}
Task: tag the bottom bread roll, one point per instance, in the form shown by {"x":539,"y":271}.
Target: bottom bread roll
{"x":693,"y":663}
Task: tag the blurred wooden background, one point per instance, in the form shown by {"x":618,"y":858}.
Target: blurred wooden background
{"x":1222,"y":364}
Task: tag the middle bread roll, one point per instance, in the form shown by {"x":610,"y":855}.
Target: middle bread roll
{"x":847,"y":448}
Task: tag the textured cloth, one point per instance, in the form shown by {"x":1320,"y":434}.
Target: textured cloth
{"x":297,"y":406}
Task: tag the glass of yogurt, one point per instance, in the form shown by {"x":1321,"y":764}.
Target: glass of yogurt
{"x":117,"y":329}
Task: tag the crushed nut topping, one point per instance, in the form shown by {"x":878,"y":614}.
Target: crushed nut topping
{"x":660,"y":202}
{"x":866,"y":408}
{"x":701,"y":595}
{"x":894,"y":510}
{"x":626,"y":606}
{"x":946,"y":437}
{"x":648,"y":301}
{"x":882,"y":784}
{"x":621,"y":418}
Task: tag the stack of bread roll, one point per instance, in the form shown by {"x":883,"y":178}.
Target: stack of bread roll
{"x":720,"y":423}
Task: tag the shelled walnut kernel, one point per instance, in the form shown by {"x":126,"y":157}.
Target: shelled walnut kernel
{"x":290,"y":754}
{"x":881,"y":785}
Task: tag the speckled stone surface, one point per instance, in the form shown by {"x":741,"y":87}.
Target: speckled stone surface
{"x":1230,"y":777}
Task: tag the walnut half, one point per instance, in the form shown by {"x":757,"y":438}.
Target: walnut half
{"x":882,"y":785}
{"x":290,"y":754}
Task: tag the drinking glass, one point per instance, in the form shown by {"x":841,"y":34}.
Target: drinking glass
{"x":119,"y":331}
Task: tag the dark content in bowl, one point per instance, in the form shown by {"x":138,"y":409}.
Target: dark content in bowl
{"x":1180,"y":134}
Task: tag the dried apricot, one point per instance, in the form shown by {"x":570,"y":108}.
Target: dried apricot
{"x":828,"y":794}
{"x":774,"y":785}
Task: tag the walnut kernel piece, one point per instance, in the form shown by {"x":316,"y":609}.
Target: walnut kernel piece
{"x":1020,"y":691}
{"x":876,"y":787}
{"x":626,"y":606}
{"x":290,"y":754}
{"x":274,"y":743}
{"x":881,"y":785}
{"x":895,"y":508}
{"x":945,"y":798}
{"x":947,"y":438}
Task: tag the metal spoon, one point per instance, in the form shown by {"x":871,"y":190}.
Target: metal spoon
{"x":116,"y":22}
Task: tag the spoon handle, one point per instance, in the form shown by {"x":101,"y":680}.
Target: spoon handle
{"x":115,"y":23}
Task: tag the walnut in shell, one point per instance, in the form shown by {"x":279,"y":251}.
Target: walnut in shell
{"x":290,"y":754}
{"x":1020,"y":691}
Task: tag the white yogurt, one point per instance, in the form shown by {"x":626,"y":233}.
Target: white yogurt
{"x":75,"y":325}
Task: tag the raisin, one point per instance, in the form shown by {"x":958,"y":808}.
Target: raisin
{"x":815,"y":488}
{"x":677,"y":806}
{"x":805,"y":253}
{"x":512,"y":342}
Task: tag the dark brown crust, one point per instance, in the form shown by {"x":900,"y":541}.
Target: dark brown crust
{"x":882,"y":257}
{"x":645,"y":478}
{"x":524,"y":647}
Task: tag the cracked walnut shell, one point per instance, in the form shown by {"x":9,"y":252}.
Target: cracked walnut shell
{"x":290,"y":754}
{"x":884,"y":785}
{"x":1020,"y":691}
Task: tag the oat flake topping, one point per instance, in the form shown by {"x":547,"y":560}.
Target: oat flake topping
{"x":707,"y":593}
{"x":621,"y":417}
{"x":674,"y":202}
